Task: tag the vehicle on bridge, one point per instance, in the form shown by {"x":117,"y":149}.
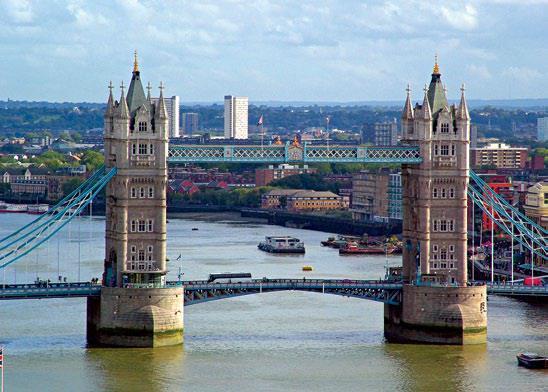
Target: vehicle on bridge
{"x":282,"y":245}
{"x":228,"y":277}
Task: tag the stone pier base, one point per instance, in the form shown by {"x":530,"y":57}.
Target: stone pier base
{"x":135,"y":317}
{"x":438,"y":315}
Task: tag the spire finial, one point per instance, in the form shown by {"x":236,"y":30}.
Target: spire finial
{"x":110,"y":86}
{"x":135,"y":62}
{"x":462,"y":88}
{"x":436,"y":66}
{"x":408,"y":89}
{"x":149,"y":87}
{"x":122,"y":86}
{"x":161,"y":87}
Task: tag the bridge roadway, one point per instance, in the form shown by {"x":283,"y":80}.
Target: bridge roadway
{"x":198,"y":291}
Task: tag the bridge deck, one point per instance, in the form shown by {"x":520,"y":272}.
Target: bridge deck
{"x":203,"y":291}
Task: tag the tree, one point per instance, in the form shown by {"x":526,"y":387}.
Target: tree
{"x":71,"y":185}
{"x":92,"y":159}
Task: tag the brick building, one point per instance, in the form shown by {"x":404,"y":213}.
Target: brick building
{"x":301,"y":200}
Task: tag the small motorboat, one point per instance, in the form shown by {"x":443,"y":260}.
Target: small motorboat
{"x":307,"y":268}
{"x":532,"y":361}
{"x":194,"y":229}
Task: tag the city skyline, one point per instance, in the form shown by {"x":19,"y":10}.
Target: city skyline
{"x":320,"y":51}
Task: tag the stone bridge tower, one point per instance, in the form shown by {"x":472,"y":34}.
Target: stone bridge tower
{"x":135,"y":308}
{"x":438,"y":306}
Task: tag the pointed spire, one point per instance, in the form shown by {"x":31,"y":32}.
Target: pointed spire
{"x":110,"y":102}
{"x":124,"y":111}
{"x":462,"y":112}
{"x":149,"y":87}
{"x":161,"y":111}
{"x":436,"y":70}
{"x":407,"y":109}
{"x":135,"y":62}
{"x":427,"y":114}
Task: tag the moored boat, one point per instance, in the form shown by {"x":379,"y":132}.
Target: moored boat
{"x":352,"y":248}
{"x":532,"y":361}
{"x":37,"y":209}
{"x":282,"y":245}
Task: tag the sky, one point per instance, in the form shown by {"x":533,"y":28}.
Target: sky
{"x":298,"y":50}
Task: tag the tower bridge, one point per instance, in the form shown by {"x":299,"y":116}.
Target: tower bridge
{"x":135,"y":306}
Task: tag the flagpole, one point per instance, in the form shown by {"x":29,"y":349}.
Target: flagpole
{"x":2,"y":360}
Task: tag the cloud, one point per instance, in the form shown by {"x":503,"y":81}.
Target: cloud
{"x":271,"y":49}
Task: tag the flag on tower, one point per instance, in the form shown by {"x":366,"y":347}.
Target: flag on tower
{"x":260,"y":122}
{"x":1,"y":357}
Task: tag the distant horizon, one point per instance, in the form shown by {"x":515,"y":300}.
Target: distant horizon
{"x":475,"y":103}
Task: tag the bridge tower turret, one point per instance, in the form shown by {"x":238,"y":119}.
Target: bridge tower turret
{"x":434,"y":198}
{"x":135,"y":308}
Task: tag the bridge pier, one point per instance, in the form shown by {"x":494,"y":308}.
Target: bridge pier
{"x":135,"y":317}
{"x":438,"y":315}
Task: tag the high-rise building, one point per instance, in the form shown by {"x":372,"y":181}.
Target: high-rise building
{"x":236,"y":117}
{"x":370,"y":195}
{"x":473,"y":136}
{"x":172,"y":107}
{"x":499,"y":155}
{"x":386,"y":133}
{"x":542,"y":129}
{"x":190,"y":123}
{"x":394,"y":197}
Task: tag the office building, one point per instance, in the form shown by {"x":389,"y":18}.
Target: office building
{"x":386,"y":133}
{"x":394,"y":196}
{"x":370,"y":195}
{"x":172,"y":107}
{"x":542,"y":129}
{"x":499,"y":155}
{"x":236,"y":126}
{"x":189,"y":123}
{"x":536,"y":204}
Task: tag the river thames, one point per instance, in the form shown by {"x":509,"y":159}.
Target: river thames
{"x":290,"y":341}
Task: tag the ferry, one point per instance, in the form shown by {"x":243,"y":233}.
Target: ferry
{"x":23,"y":208}
{"x":532,"y":361}
{"x":37,"y":209}
{"x":282,"y":245}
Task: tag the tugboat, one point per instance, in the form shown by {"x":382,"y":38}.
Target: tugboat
{"x":352,"y":248}
{"x":282,"y":245}
{"x":532,"y":361}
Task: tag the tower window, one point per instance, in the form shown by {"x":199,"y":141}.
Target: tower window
{"x":150,"y":225}
{"x":434,"y":248}
{"x":134,"y":149}
{"x":443,"y":225}
{"x":451,"y":193}
{"x":151,"y":192}
{"x":444,"y":128}
{"x":444,"y":149}
{"x":142,"y":126}
{"x":133,"y":249}
{"x":451,"y":248}
{"x":141,"y":255}
{"x":151,"y":149}
{"x":142,"y":226}
{"x":133,"y":226}
{"x":133,"y":193}
{"x":435,"y":228}
{"x":141,"y":192}
{"x":436,"y":150}
{"x":142,"y":149}
{"x":435,"y":193}
{"x":443,"y":193}
{"x":149,"y":249}
{"x":453,"y":149}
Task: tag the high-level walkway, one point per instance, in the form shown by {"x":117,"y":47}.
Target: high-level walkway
{"x":198,"y":291}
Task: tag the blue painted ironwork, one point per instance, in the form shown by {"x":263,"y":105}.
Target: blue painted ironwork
{"x":201,"y":291}
{"x":18,"y":244}
{"x":292,"y":153}
{"x":512,"y":221}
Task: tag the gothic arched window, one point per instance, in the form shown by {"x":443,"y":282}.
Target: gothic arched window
{"x":142,"y":126}
{"x":435,"y":193}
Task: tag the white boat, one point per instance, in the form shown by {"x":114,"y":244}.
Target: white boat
{"x":282,"y":245}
